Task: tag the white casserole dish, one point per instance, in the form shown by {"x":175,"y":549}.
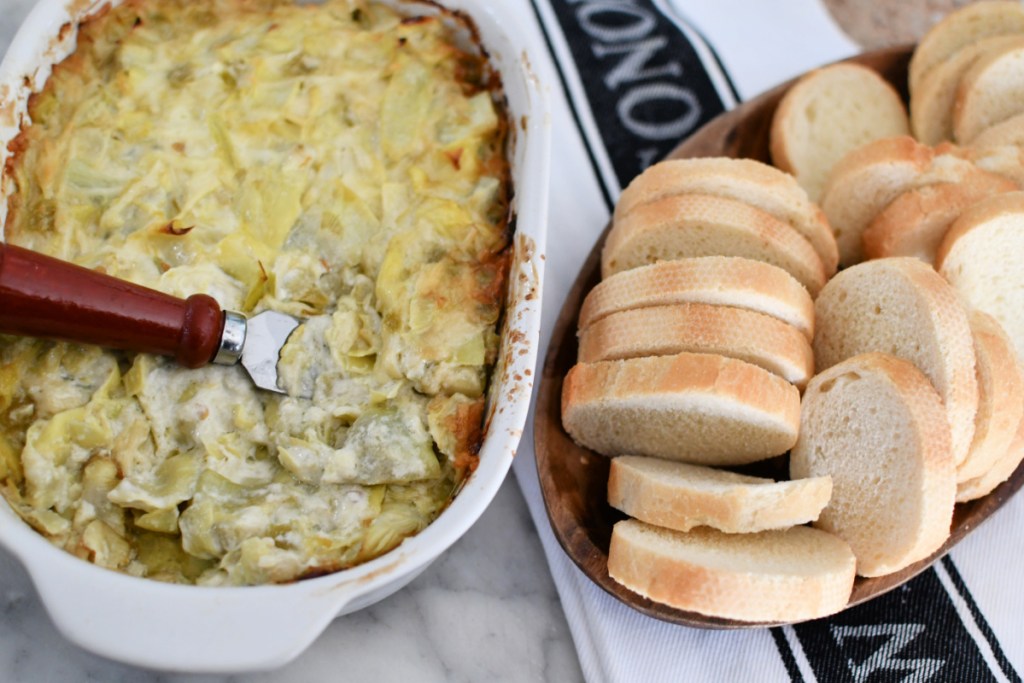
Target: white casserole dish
{"x":199,"y":629}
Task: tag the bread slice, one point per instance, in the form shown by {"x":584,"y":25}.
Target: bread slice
{"x":981,"y":257}
{"x":1009,"y":132}
{"x":719,"y":280}
{"x":932,"y":102}
{"x":678,"y":496}
{"x":875,"y":424}
{"x":864,"y":182}
{"x":1001,"y":470}
{"x":828,"y":113}
{"x":772,"y":576}
{"x":990,"y":92}
{"x":745,"y":180}
{"x":692,"y":225}
{"x":915,"y":222}
{"x":1000,"y":397}
{"x":961,"y":28}
{"x":690,"y":407}
{"x":701,"y":328}
{"x":901,"y":306}
{"x":1003,"y":160}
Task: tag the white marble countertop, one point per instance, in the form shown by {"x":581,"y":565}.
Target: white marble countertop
{"x":486,"y":610}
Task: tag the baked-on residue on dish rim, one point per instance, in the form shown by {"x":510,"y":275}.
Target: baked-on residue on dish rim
{"x":184,"y":627}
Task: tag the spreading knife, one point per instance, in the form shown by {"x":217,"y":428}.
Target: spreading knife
{"x":47,"y":298}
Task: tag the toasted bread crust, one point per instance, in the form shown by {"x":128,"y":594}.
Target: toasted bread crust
{"x":745,"y":180}
{"x":701,"y":328}
{"x":807,"y":143}
{"x":679,"y":496}
{"x":941,"y":328}
{"x":864,"y":182}
{"x":977,"y":216}
{"x":906,"y":392}
{"x":915,"y":222}
{"x":721,"y":280}
{"x":960,"y":28}
{"x":932,"y":103}
{"x":1001,"y":470}
{"x":1006,"y":133}
{"x":716,"y":404}
{"x":692,"y":225}
{"x":989,"y":92}
{"x":1001,"y":397}
{"x":658,"y":564}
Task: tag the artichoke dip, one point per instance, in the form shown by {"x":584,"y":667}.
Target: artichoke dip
{"x":337,"y":162}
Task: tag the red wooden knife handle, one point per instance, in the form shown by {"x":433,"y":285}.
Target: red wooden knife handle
{"x":44,"y":297}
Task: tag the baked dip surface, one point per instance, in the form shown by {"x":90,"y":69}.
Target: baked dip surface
{"x":337,"y":162}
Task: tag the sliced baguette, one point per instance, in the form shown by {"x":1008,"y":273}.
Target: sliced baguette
{"x":864,"y":182}
{"x":692,"y":225}
{"x":745,"y":180}
{"x":828,"y":113}
{"x":1001,"y":470}
{"x":678,"y":496}
{"x":701,"y":328}
{"x":1004,"y":160}
{"x":901,"y":306}
{"x":1000,"y":397}
{"x":1009,"y":132}
{"x":990,"y":92}
{"x":792,"y":575}
{"x":961,"y":28}
{"x":719,"y":280}
{"x":696,"y":408}
{"x":932,"y":103}
{"x":875,"y":424}
{"x":981,"y":257}
{"x":915,"y":222}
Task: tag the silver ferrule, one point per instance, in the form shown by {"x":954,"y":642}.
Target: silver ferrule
{"x":232,"y":340}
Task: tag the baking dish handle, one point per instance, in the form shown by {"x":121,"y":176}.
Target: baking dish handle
{"x":184,"y":628}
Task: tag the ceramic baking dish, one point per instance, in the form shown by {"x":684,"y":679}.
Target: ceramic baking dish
{"x":188,"y":628}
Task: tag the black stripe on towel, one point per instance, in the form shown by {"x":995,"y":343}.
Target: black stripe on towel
{"x":787,"y":655}
{"x":979,"y":619}
{"x":912,"y":633}
{"x":646,"y":86}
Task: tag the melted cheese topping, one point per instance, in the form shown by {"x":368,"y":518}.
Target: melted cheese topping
{"x":335,"y":162}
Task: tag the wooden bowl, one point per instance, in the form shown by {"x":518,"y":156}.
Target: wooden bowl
{"x":574,"y":479}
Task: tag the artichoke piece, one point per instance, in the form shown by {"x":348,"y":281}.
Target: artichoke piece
{"x":270,"y":205}
{"x":239,"y":460}
{"x":11,"y":471}
{"x":99,"y":478}
{"x":164,"y":560}
{"x":304,"y":357}
{"x":456,"y":425}
{"x":248,"y":261}
{"x":162,"y":521}
{"x":405,"y":113}
{"x":300,"y":277}
{"x":258,"y":561}
{"x":56,"y":450}
{"x":384,"y":446}
{"x":83,"y":369}
{"x":469,"y":118}
{"x":318,"y":523}
{"x":172,"y":482}
{"x":406,"y":510}
{"x":187,"y":408}
{"x":106,"y":547}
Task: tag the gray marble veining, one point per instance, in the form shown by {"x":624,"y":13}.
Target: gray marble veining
{"x":487,"y":610}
